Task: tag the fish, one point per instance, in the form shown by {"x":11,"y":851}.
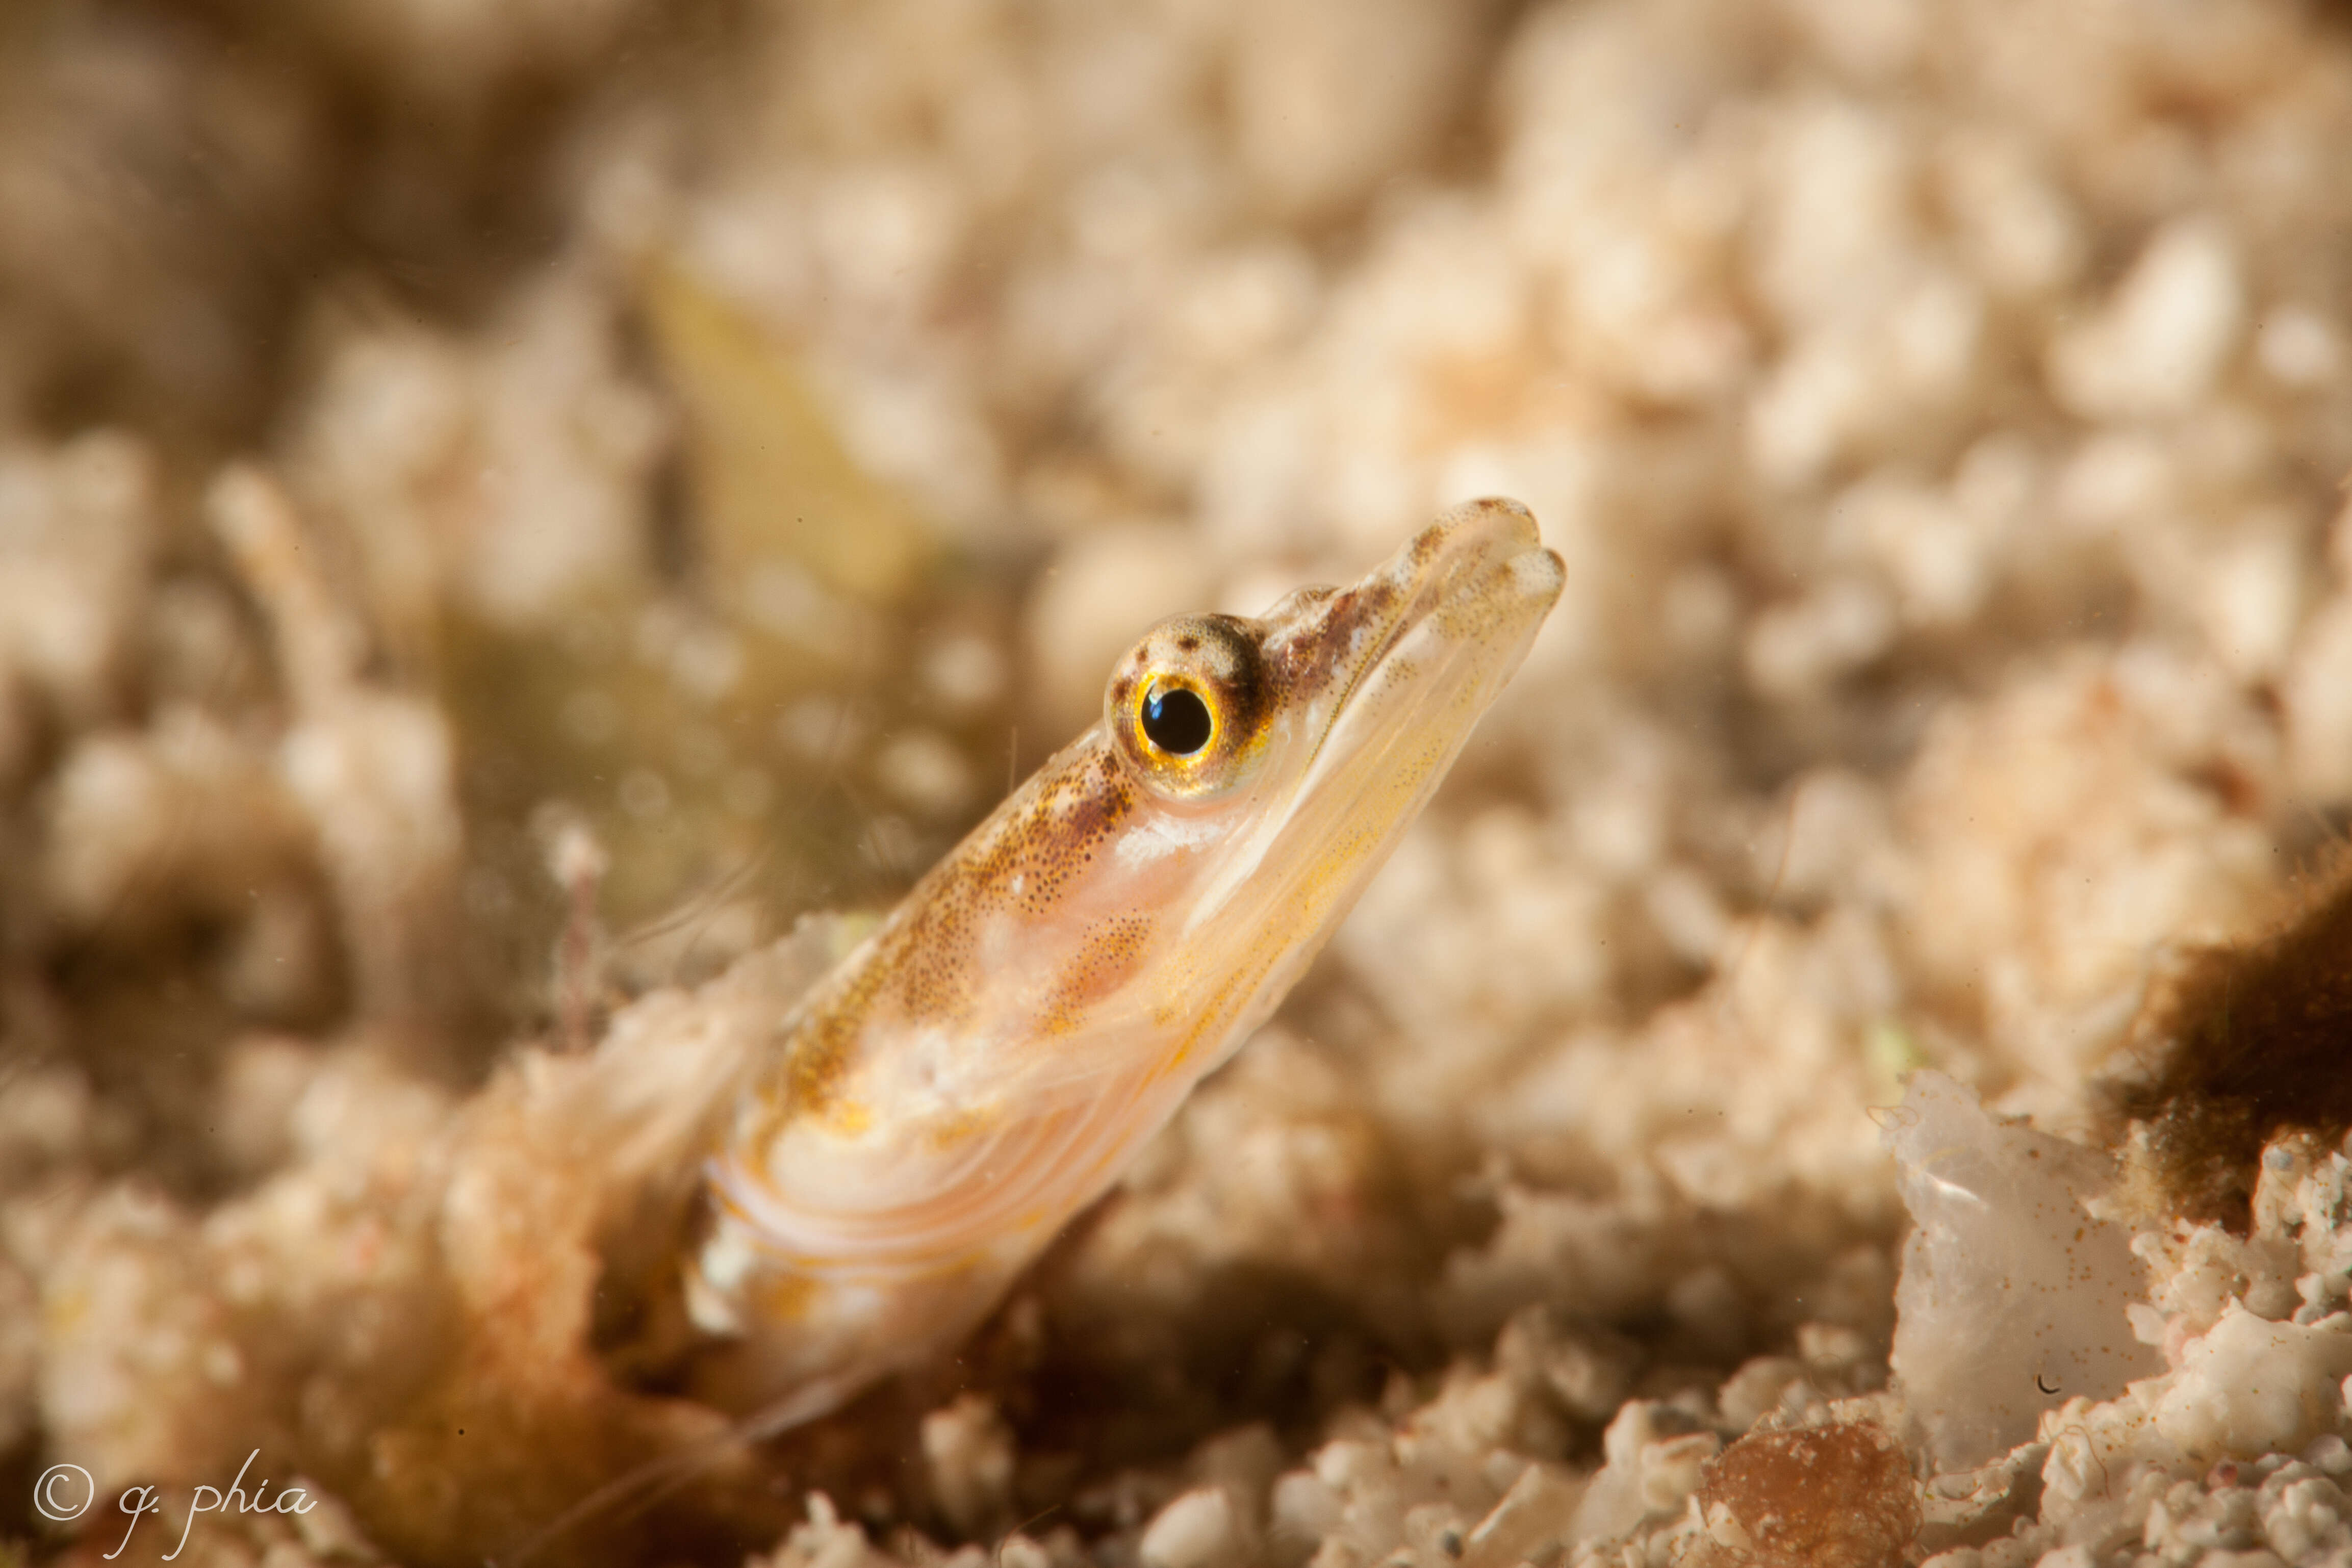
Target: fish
{"x":982,"y":1066}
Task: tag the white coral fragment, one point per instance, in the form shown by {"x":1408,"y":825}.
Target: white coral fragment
{"x":2248,"y":1386}
{"x":2012,"y":1296}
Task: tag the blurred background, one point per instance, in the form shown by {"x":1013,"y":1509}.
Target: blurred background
{"x":758,"y":425}
{"x":687,"y":459}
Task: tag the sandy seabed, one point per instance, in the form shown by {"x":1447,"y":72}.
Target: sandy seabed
{"x":504,"y":508}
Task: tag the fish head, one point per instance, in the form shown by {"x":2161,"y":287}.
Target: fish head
{"x":1275,"y":761}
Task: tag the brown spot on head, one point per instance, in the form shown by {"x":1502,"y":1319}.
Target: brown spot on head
{"x":1327,"y":632}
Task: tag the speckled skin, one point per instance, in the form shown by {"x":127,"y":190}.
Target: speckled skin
{"x":982,"y":1066}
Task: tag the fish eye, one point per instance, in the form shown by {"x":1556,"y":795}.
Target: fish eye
{"x":1186,"y":709}
{"x":1176,"y":720}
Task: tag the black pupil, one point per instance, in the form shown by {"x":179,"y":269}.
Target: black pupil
{"x":1177,"y":721}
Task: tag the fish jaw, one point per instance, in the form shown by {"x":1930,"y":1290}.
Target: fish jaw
{"x":985,"y":1063}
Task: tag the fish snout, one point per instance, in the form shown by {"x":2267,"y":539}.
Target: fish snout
{"x":1487,"y":550}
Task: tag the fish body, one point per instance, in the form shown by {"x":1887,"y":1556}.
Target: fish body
{"x":983,"y":1065}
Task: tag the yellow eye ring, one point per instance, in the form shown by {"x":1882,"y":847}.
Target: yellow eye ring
{"x":1176,"y":718}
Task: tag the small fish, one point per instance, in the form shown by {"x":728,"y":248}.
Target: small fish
{"x":984,"y":1064}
